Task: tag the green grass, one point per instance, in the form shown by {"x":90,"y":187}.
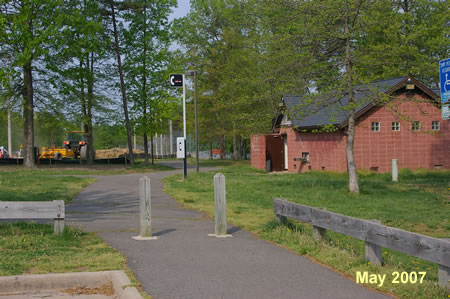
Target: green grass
{"x":419,"y":203}
{"x":70,"y":169}
{"x":33,"y":248}
{"x":35,"y":185}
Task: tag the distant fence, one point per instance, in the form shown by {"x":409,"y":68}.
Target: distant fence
{"x":376,"y":235}
{"x":35,"y":210}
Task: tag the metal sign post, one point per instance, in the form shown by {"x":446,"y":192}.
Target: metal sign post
{"x":177,"y":80}
{"x":184,"y":127}
{"x":444,"y":74}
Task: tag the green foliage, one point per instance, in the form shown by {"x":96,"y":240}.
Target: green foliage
{"x":109,"y":136}
{"x":147,"y":57}
{"x":413,"y":41}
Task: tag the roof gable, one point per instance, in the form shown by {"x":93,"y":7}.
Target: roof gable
{"x":329,"y":111}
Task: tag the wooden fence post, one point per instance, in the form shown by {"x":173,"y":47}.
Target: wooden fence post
{"x":220,"y":207}
{"x":280,"y":219}
{"x":373,"y":251}
{"x":145,"y":210}
{"x":319,"y":233}
{"x":444,"y":276}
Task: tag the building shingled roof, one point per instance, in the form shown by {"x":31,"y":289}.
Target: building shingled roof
{"x":330,"y":111}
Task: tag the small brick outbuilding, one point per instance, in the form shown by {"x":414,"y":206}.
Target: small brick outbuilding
{"x":396,"y":119}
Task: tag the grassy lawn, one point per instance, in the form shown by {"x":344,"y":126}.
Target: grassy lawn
{"x":36,"y":185}
{"x":419,"y":203}
{"x":30,"y":248}
{"x":33,"y":248}
{"x":71,"y":169}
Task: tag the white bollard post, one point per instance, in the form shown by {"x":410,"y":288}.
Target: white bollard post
{"x":220,"y":207}
{"x":145,"y":220}
{"x":394,"y":170}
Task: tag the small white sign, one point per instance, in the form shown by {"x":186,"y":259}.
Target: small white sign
{"x":180,"y":148}
{"x":445,"y":112}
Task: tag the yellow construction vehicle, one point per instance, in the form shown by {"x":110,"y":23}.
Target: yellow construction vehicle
{"x":56,"y":153}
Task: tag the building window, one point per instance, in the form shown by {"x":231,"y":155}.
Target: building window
{"x":305,"y":157}
{"x":375,"y":126}
{"x":416,"y":125}
{"x":395,"y":126}
{"x":435,"y":125}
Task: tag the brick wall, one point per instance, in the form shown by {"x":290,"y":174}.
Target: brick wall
{"x":326,"y":150}
{"x":258,"y":151}
{"x":413,"y":149}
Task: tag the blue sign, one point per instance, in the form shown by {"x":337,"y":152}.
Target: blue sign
{"x":444,"y":73}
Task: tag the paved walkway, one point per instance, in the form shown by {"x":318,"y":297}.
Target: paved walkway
{"x":185,"y":263}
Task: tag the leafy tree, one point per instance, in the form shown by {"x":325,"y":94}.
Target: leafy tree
{"x":217,"y":36}
{"x":26,"y":26}
{"x":76,"y":64}
{"x":147,"y":57}
{"x":413,"y":41}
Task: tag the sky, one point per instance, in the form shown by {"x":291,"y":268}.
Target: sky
{"x":181,"y":10}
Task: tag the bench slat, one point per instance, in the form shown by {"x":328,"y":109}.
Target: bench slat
{"x":32,"y":210}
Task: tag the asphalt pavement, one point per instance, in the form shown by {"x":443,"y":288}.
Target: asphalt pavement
{"x":185,"y":262}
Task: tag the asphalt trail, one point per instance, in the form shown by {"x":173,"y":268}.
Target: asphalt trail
{"x":184,"y":262}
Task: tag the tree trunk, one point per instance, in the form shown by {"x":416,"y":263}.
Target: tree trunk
{"x":90,"y":98}
{"x":352,"y":172}
{"x":244,"y":149}
{"x":235,"y":147}
{"x":28,"y":114}
{"x":146,"y":149}
{"x":222,"y":145}
{"x":210,"y":151}
{"x":151,"y":145}
{"x":144,"y":94}
{"x":122,"y":85}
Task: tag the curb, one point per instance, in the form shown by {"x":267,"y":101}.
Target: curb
{"x":55,"y":281}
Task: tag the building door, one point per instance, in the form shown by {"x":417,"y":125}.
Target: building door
{"x":285,"y":152}
{"x":274,"y":152}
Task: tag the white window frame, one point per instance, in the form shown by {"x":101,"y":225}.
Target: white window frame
{"x":396,"y":126}
{"x":375,"y":126}
{"x":436,"y":125}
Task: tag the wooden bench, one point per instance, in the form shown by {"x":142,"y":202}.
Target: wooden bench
{"x":35,"y":210}
{"x":374,"y":234}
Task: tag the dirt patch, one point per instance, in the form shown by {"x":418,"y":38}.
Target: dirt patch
{"x":114,"y":153}
{"x":106,"y":289}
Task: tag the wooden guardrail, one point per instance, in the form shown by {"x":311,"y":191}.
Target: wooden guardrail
{"x":376,"y":235}
{"x":35,"y":210}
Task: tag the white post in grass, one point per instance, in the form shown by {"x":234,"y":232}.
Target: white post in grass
{"x":145,"y":222}
{"x":394,"y":170}
{"x":220,"y":207}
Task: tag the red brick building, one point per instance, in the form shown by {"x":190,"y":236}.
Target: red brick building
{"x":396,"y":119}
